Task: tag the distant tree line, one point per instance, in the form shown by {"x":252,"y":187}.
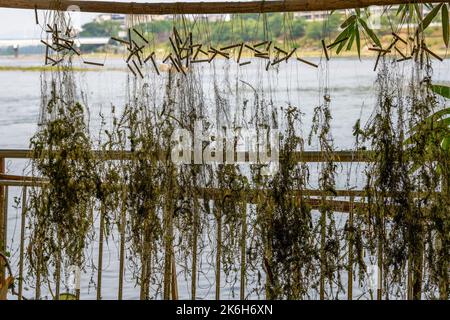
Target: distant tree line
{"x":248,"y":27}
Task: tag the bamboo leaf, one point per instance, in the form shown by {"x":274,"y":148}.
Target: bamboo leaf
{"x":445,"y":145}
{"x":351,"y":40}
{"x":358,"y":41}
{"x":445,"y":29}
{"x":430,"y":17}
{"x":441,"y":90}
{"x":400,"y":8}
{"x":418,"y":10}
{"x":348,"y":22}
{"x":370,"y":32}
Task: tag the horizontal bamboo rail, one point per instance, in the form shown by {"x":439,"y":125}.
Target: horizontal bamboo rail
{"x":306,"y":156}
{"x":212,"y":7}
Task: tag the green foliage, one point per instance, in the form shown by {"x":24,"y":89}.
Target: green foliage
{"x":437,"y":127}
{"x":102,"y":29}
{"x":314,"y":30}
{"x":352,"y":27}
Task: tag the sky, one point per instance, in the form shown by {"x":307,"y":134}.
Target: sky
{"x":20,"y":24}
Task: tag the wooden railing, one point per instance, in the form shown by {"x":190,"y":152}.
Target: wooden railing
{"x":313,"y":197}
{"x":203,"y":7}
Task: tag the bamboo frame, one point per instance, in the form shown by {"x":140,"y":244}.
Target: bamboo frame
{"x":100,"y":253}
{"x":22,"y":240}
{"x":243,"y":208}
{"x":350,"y":252}
{"x":215,"y":194}
{"x":2,"y":218}
{"x":213,"y":7}
{"x":195,"y":226}
{"x":219,"y":249}
{"x":122,"y":227}
{"x":306,"y":156}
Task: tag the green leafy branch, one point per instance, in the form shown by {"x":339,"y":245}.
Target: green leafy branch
{"x":353,"y":26}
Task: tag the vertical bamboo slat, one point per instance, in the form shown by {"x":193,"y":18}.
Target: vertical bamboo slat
{"x":22,"y":241}
{"x":174,"y":282}
{"x":168,"y":250}
{"x":195,"y":249}
{"x":350,"y":252}
{"x":380,"y":260}
{"x":5,"y":217}
{"x":219,"y":248}
{"x":323,"y":226}
{"x":100,"y":253}
{"x":58,"y":269}
{"x":122,"y":246}
{"x":243,"y":207}
{"x":146,"y":265}
{"x":2,"y":218}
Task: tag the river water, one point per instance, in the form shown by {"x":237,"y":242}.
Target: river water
{"x":351,"y":87}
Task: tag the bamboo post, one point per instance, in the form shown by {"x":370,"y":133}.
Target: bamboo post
{"x":350,"y":252}
{"x":122,"y":246}
{"x":219,"y":249}
{"x":323,"y":226}
{"x":418,"y":268}
{"x":100,"y":252}
{"x":195,"y":248}
{"x":146,"y":265}
{"x":22,"y":241}
{"x":5,"y":217}
{"x":37,"y":294}
{"x":142,"y":294}
{"x":2,"y":219}
{"x":58,"y":268}
{"x":243,"y":207}
{"x":443,"y":277}
{"x":380,"y":260}
{"x":174,"y":282}
{"x":409,"y":278}
{"x":168,"y":251}
{"x":444,"y":274}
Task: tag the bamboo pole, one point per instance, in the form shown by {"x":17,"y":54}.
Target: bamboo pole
{"x":100,"y":253}
{"x":22,"y":241}
{"x":219,"y":248}
{"x":174,"y":282}
{"x":444,"y":269}
{"x":323,"y":225}
{"x":58,"y":267}
{"x":409,"y":277}
{"x":2,"y":218}
{"x":146,"y":264}
{"x":5,"y":217}
{"x":350,"y":252}
{"x":168,"y":242}
{"x":306,"y":156}
{"x":122,"y":246}
{"x":213,"y":7}
{"x":195,"y":249}
{"x":243,"y":207}
{"x":380,"y":251}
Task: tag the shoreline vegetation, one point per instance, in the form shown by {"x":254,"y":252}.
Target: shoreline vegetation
{"x":250,"y":28}
{"x":311,"y":54}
